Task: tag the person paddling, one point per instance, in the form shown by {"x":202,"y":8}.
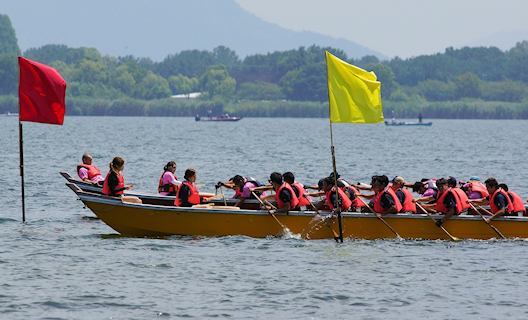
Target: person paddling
{"x":298,"y":188}
{"x":403,"y":194}
{"x":385,"y":199}
{"x":188,"y":194}
{"x":168,"y":183}
{"x":284,"y":195}
{"x":88,"y":172}
{"x":332,"y":199}
{"x":114,"y":183}
{"x":498,"y":200}
{"x":518,"y":205}
{"x":448,"y":202}
{"x":242,"y":186}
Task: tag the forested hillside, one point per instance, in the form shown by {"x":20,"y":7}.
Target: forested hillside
{"x":464,"y":83}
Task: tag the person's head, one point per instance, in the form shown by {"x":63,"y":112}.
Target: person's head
{"x":379,"y":183}
{"x":328,"y":183}
{"x":441,"y":184}
{"x":190,"y":175}
{"x":398,"y":182}
{"x":504,"y":186}
{"x":275,"y":179}
{"x":117,"y":164}
{"x":87,"y":158}
{"x":238,"y":181}
{"x":491,"y":184}
{"x":288,"y":177}
{"x":320,"y":184}
{"x":331,"y":175}
{"x":419,"y":187}
{"x":451,"y":182}
{"x":170,"y":166}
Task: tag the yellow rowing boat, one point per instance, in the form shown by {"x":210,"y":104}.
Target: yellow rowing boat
{"x":137,"y":219}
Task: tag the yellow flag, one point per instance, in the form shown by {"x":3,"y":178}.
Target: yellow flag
{"x":354,"y":94}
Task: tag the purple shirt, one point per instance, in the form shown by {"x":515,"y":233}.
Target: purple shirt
{"x":430,"y":193}
{"x":168,"y":178}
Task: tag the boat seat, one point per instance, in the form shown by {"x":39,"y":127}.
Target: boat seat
{"x":131,"y":199}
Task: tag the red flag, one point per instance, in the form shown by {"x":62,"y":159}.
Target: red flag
{"x":41,"y":93}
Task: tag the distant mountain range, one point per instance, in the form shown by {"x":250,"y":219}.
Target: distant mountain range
{"x":156,"y":28}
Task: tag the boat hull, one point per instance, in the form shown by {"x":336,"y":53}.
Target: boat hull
{"x":153,"y":221}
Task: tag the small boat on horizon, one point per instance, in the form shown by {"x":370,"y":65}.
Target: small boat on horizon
{"x":223,"y":117}
{"x":393,"y":122}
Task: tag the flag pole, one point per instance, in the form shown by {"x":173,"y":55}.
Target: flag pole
{"x":332,"y":150}
{"x":21,"y":144}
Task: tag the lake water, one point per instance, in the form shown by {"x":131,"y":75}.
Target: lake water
{"x":63,"y":265}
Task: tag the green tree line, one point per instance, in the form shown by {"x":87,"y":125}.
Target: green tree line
{"x":471,"y":82}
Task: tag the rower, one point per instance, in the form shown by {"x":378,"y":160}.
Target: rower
{"x":88,"y":172}
{"x":498,"y":200}
{"x":188,"y":194}
{"x":243,"y":188}
{"x":475,"y":189}
{"x":518,"y":205}
{"x":450,"y":201}
{"x":385,"y":199}
{"x":403,"y":194}
{"x":114,"y":183}
{"x":284,"y":195}
{"x":333,"y":200}
{"x":168,"y":183}
{"x":298,"y":188}
{"x":426,"y":188}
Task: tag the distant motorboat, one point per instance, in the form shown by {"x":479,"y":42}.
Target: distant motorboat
{"x":223,"y":117}
{"x":393,"y":122}
{"x":10,"y":114}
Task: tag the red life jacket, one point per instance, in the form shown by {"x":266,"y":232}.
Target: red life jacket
{"x":170,"y":188}
{"x":494,"y":208}
{"x":518,"y":204}
{"x":460,"y":197}
{"x":93,"y":171}
{"x":294,"y":202}
{"x":377,"y":201}
{"x":301,"y":194}
{"x":194,"y":196}
{"x":346,"y":203}
{"x":120,"y":185}
{"x":353,"y":192}
{"x":478,"y":187}
{"x":408,"y":205}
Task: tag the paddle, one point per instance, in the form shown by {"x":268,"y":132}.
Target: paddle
{"x":382,"y":220}
{"x":441,"y":227}
{"x":271,"y":213}
{"x":486,"y":220}
{"x":223,"y":196}
{"x":336,"y":236}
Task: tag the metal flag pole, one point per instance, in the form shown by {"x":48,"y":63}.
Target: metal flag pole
{"x":332,"y":150}
{"x":21,"y":144}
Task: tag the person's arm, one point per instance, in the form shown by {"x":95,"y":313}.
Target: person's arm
{"x":366,"y":196}
{"x":263,"y":188}
{"x":83,"y":174}
{"x":183,"y":194}
{"x":480,"y":202}
{"x":388,"y":203}
{"x":450,"y":204}
{"x":285,"y":196}
{"x":112,"y":184}
{"x":423,"y":199}
{"x":316,"y":194}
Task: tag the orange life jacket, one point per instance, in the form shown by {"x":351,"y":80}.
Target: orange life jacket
{"x":301,"y":194}
{"x":478,"y":187}
{"x":353,"y":192}
{"x":93,"y":171}
{"x":120,"y":185}
{"x":169,"y":188}
{"x":346,"y":203}
{"x":494,"y":208}
{"x":294,"y":201}
{"x":460,"y":197}
{"x":518,"y":204}
{"x":377,"y":201}
{"x":194,"y":196}
{"x":408,"y":205}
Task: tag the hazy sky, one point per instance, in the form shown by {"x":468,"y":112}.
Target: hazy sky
{"x":403,"y":27}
